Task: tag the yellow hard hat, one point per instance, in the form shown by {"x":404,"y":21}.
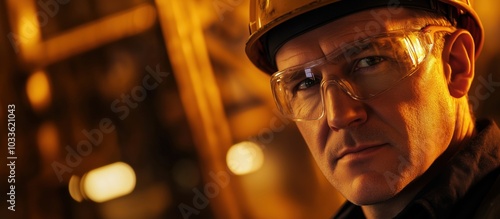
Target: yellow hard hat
{"x":273,"y":22}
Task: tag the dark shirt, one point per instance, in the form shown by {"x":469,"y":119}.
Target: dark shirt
{"x":467,"y":187}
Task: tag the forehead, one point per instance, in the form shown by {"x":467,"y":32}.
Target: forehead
{"x":316,"y":43}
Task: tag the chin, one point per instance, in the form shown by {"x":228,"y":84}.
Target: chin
{"x":369,"y":199}
{"x":369,"y":189}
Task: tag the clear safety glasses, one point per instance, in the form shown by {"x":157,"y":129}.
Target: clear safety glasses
{"x":362,"y":69}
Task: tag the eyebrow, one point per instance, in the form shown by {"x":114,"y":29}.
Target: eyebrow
{"x":298,"y":73}
{"x":347,"y":50}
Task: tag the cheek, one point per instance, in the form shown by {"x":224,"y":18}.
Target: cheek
{"x":425,"y":116}
{"x":431,"y":108}
{"x":315,"y":135}
{"x":310,"y":131}
{"x":420,"y":105}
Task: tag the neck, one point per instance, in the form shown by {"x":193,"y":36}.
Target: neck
{"x":464,"y":127}
{"x":391,"y":207}
{"x":464,"y":130}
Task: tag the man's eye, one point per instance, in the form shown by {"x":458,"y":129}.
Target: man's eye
{"x":367,"y":62}
{"x":307,"y":83}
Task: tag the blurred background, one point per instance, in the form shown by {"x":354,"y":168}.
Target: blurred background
{"x":150,"y":109}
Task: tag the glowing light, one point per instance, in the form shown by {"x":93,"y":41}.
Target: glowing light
{"x":244,"y":157}
{"x":26,"y":28}
{"x":74,"y":188}
{"x":109,"y":182}
{"x":38,"y":90}
{"x":48,"y":141}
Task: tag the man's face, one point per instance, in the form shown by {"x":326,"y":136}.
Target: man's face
{"x":370,"y":150}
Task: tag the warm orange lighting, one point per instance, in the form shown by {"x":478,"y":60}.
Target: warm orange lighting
{"x":27,"y":21}
{"x":38,"y":90}
{"x":109,"y":182}
{"x":143,"y":17}
{"x":110,"y":28}
{"x":74,"y":188}
{"x":29,"y":31}
{"x":245,"y":157}
{"x":48,"y":141}
{"x":25,"y":36}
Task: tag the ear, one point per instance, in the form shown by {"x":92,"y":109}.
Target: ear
{"x":458,"y":62}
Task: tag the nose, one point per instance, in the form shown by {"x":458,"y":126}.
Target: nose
{"x":341,"y":110}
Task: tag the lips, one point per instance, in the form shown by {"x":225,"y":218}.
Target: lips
{"x":358,"y":150}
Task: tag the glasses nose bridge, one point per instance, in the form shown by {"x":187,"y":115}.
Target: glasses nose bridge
{"x":330,"y":98}
{"x":341,"y":108}
{"x":326,"y":85}
{"x":327,"y":94}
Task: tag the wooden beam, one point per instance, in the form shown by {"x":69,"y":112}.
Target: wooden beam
{"x":200,"y":96}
